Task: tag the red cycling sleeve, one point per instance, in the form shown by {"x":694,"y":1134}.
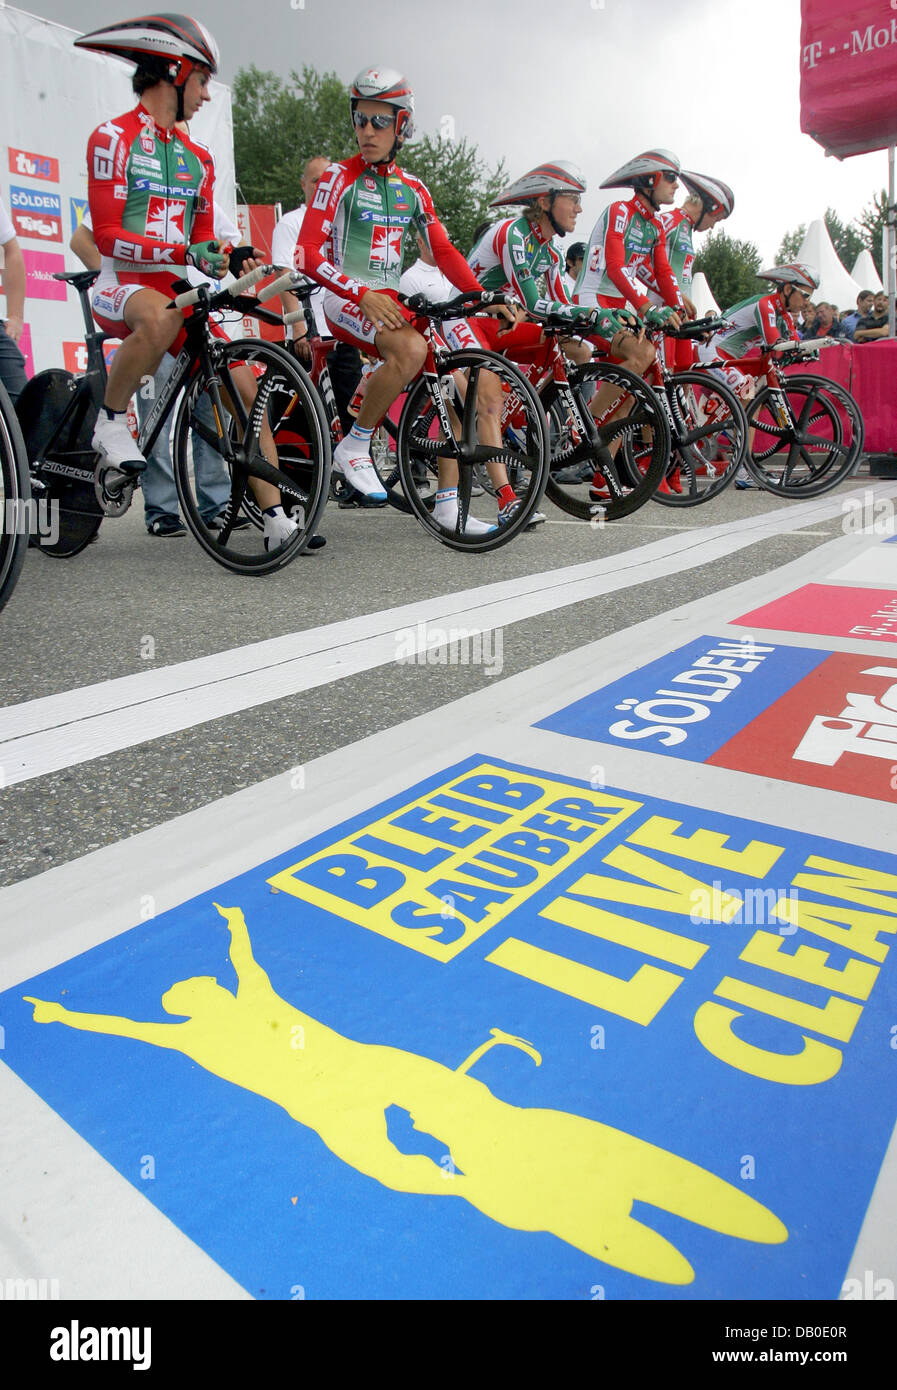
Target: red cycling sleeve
{"x":615,"y":257}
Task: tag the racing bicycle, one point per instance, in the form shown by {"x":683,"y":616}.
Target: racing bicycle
{"x":439,"y":421}
{"x":708,"y":426}
{"x":57,"y":411}
{"x":806,"y":432}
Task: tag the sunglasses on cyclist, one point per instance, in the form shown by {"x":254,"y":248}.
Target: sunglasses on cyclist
{"x":670,"y":178}
{"x":378,"y":122}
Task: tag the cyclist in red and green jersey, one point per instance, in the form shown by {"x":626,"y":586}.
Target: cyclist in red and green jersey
{"x":627,"y":252}
{"x":512,"y":255}
{"x":709,"y":202}
{"x":759,"y":322}
{"x":351,"y":242}
{"x":150,"y":189}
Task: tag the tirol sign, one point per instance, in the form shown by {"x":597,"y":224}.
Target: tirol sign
{"x":848,"y":74}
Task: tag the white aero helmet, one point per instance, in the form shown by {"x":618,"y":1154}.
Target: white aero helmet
{"x":555,"y":176}
{"x":173,"y":43}
{"x":644,"y":168}
{"x":386,"y":84}
{"x":715,"y":195}
{"x":793,"y":273}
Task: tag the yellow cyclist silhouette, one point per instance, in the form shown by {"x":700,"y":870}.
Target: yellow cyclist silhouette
{"x":530,"y":1169}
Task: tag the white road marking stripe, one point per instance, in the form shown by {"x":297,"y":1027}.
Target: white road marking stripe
{"x":59,"y":731}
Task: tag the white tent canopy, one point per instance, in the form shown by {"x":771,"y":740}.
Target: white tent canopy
{"x":701,"y":296}
{"x":835,"y":285}
{"x":864,"y":272}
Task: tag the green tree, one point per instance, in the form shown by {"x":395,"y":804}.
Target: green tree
{"x":278,"y":125}
{"x":872,"y":222}
{"x":730,"y":267}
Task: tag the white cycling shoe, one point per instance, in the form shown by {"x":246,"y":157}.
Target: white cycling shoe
{"x":358,"y":469}
{"x":113,"y":440}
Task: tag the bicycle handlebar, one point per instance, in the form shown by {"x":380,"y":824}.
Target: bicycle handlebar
{"x":295,"y":316}
{"x":289,"y":281}
{"x":803,"y":344}
{"x":696,"y":328}
{"x":252,"y":277}
{"x":455,"y":308}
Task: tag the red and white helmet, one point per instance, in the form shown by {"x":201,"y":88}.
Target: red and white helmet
{"x":644,"y":168}
{"x":555,"y":176}
{"x":793,"y":273}
{"x":715,"y":195}
{"x":183,"y":41}
{"x":386,"y":84}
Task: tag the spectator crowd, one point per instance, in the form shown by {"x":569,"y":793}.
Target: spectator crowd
{"x":865,"y":323}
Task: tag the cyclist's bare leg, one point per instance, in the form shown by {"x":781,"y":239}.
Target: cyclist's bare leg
{"x":636,"y":354}
{"x":404,"y":352}
{"x":154,"y":327}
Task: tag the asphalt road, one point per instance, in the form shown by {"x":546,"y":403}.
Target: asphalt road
{"x":79,"y":622}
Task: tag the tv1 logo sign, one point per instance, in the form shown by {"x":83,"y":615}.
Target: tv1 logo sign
{"x":33,"y":166}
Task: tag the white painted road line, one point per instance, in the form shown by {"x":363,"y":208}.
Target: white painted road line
{"x":59,"y":731}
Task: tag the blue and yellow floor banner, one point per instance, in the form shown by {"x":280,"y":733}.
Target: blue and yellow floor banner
{"x":508,"y":1034}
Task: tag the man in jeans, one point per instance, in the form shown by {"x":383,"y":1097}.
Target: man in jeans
{"x":12,"y":363}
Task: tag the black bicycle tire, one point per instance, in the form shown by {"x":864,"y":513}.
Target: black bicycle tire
{"x":674,"y":499}
{"x":851,"y":408}
{"x":461,"y":361}
{"x":753,"y":461}
{"x":16,"y":485}
{"x":243,"y":349}
{"x":644,"y":488}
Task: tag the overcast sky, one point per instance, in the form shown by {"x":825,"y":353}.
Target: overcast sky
{"x":592,"y":81}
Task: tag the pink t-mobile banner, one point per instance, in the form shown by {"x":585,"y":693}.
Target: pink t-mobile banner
{"x":848,"y":64}
{"x":40,"y":267}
